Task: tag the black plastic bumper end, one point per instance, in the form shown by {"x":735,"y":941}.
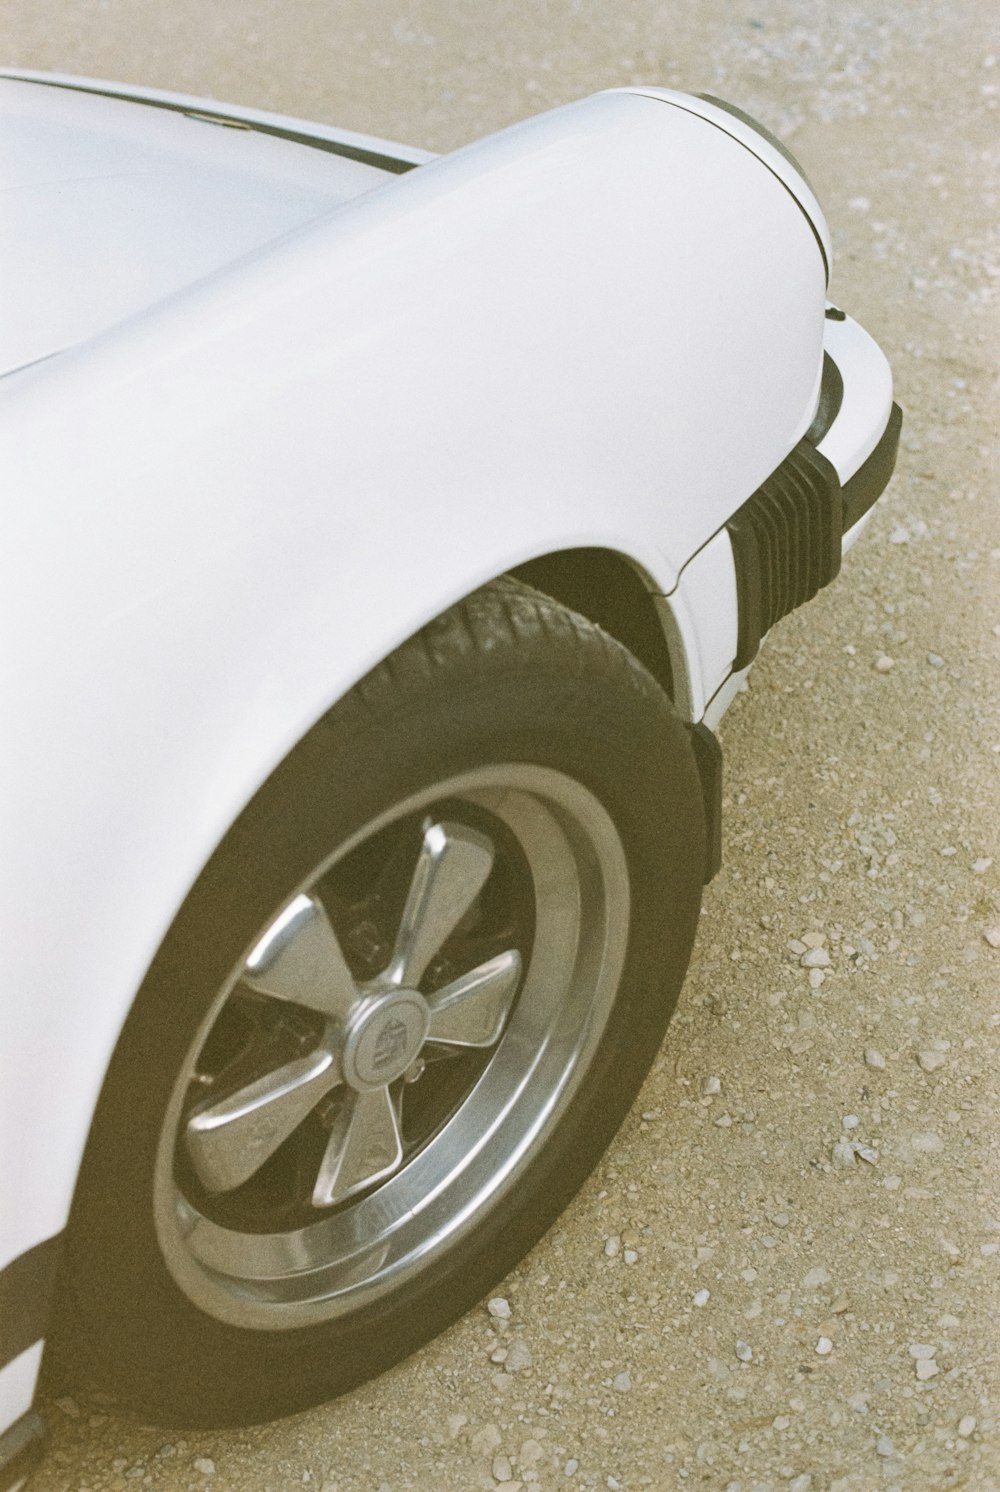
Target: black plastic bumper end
{"x":861,"y":491}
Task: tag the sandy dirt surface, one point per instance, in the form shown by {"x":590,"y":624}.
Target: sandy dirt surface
{"x":740,"y":1298}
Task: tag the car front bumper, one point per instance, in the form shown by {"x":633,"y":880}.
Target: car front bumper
{"x":859,"y":430}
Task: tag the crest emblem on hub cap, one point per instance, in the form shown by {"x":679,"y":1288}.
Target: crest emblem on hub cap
{"x":390,"y":1044}
{"x":384,"y":1038}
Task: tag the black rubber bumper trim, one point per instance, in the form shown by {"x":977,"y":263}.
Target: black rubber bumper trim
{"x":708,"y":757}
{"x":786,"y":541}
{"x":26,"y":1288}
{"x":21,"y":1448}
{"x":831,"y":397}
{"x":861,"y":491}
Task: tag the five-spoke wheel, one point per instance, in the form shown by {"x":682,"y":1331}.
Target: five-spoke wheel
{"x":407,"y":1026}
{"x":375,"y":1035}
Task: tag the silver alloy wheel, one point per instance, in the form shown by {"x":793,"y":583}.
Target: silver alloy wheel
{"x":529,"y":1018}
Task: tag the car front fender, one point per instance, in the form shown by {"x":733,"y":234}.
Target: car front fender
{"x":600,"y":328}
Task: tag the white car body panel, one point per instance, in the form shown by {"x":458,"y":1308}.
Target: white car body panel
{"x":17,"y":1384}
{"x":775,"y":159}
{"x":231,"y":503}
{"x":101,"y":219}
{"x":702,"y":631}
{"x":287,"y":124}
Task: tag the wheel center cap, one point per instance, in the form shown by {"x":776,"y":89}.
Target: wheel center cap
{"x":384,"y":1035}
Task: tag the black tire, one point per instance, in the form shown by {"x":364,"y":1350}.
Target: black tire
{"x":508,"y":682}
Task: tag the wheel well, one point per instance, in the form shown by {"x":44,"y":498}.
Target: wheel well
{"x":606,"y":588}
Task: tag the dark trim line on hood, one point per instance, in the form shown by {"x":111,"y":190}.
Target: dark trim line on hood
{"x":389,"y":163}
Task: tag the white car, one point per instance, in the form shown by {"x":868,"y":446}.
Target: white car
{"x":386,"y":536}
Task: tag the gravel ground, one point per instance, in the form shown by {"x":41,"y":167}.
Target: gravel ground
{"x":784,"y":1275}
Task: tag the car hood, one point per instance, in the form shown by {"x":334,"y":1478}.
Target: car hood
{"x":110,"y":205}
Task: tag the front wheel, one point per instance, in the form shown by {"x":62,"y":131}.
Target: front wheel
{"x":399,"y":1018}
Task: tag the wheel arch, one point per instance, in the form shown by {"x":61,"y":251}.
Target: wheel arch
{"x":610,"y":589}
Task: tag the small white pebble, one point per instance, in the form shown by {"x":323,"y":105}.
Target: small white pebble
{"x":922,"y":1351}
{"x":824,"y":1347}
{"x":843,"y":1155}
{"x":518,"y":1357}
{"x":926,"y":1368}
{"x":850,"y":1121}
{"x":931,"y":1061}
{"x":205,"y":1465}
{"x":982,"y":864}
{"x":571,"y":1467}
{"x":815,"y":958}
{"x":701,"y":1298}
{"x":883,"y":663}
{"x":992,"y":936}
{"x":502,"y":1469}
{"x":499,"y":1308}
{"x":710,"y":1086}
{"x":866,"y":1152}
{"x":884,"y":1446}
{"x":744,"y":1351}
{"x":621,"y":1382}
{"x":966,"y":1426}
{"x":612,"y":1245}
{"x":630,"y":1256}
{"x":530,"y":1454}
{"x":873,"y":1057}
